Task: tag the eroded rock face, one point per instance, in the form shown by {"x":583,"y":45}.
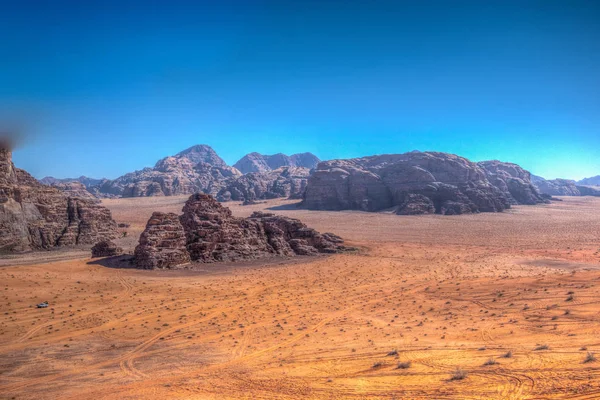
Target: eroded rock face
{"x":556,"y":187}
{"x":208,"y":232}
{"x":162,"y":244}
{"x":513,"y":180}
{"x":410,"y":183}
{"x":256,"y":162}
{"x":35,"y":216}
{"x":197,"y":169}
{"x":289,"y":182}
{"x":106,"y":248}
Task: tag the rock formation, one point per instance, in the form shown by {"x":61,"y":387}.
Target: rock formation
{"x":197,"y":169}
{"x":289,"y":182}
{"x":106,"y":248}
{"x":34,"y":216}
{"x":208,"y":232}
{"x":256,"y":162}
{"x":162,"y":244}
{"x":513,"y":181}
{"x":418,"y":183}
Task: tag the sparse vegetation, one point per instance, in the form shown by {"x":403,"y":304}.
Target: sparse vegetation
{"x":590,"y":357}
{"x":508,"y":354}
{"x":404,"y":365}
{"x":541,"y":347}
{"x":490,"y":361}
{"x":458,"y":375}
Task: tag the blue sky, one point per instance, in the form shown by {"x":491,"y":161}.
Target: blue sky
{"x":104,"y":88}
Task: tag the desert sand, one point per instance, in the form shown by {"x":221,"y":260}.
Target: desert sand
{"x":511,"y":300}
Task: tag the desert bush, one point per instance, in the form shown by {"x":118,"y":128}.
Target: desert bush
{"x":508,"y":354}
{"x":490,"y":361}
{"x":458,"y":375}
{"x":403,"y":365}
{"x":541,"y":347}
{"x":590,"y":357}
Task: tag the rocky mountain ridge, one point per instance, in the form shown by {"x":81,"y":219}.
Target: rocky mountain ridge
{"x":419,"y":183}
{"x":256,"y":162}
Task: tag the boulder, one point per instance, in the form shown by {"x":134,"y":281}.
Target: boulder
{"x":106,"y":248}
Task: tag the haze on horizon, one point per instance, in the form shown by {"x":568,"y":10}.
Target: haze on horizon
{"x":105,"y":88}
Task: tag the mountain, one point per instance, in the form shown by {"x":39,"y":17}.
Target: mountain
{"x":563,"y":187}
{"x":593,"y":181}
{"x":197,"y":169}
{"x":87,"y":182}
{"x":34,"y":216}
{"x":419,"y":183}
{"x":287,"y":182}
{"x":256,"y":162}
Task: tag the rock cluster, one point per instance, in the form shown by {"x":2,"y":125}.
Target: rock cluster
{"x":106,"y":248}
{"x":289,"y":182}
{"x":74,"y":189}
{"x":34,"y":216}
{"x":256,"y":162}
{"x":208,"y":232}
{"x":418,"y":183}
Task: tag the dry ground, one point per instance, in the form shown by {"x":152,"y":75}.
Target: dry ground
{"x":512,"y":299}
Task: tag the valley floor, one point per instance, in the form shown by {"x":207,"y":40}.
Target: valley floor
{"x":511,"y":299}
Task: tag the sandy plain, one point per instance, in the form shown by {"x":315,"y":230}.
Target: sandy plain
{"x":512,"y":300}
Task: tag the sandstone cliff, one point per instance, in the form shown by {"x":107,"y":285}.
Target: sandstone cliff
{"x":289,"y":182}
{"x":418,"y":183}
{"x":34,"y":216}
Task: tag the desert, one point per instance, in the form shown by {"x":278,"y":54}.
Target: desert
{"x":507,"y":299}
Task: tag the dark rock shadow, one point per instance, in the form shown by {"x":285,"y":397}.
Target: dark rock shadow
{"x":293,"y":206}
{"x":122,"y":261}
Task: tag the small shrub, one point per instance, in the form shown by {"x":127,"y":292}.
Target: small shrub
{"x":458,"y":375}
{"x":490,"y":361}
{"x":508,"y":354}
{"x":570,"y":298}
{"x":403,"y":365}
{"x":393,"y":353}
{"x":541,"y":347}
{"x":590,"y":357}
{"x":377,"y":365}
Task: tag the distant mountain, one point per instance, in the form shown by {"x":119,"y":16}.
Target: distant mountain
{"x":197,"y":169}
{"x":563,"y":187}
{"x":593,"y":181}
{"x":256,"y":162}
{"x":87,"y":182}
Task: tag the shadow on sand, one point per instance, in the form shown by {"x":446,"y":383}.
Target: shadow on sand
{"x":292,"y":206}
{"x":123,"y":261}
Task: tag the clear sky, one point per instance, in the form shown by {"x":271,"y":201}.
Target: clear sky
{"x":101,"y":88}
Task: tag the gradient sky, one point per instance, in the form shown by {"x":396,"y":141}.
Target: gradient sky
{"x":101,"y":88}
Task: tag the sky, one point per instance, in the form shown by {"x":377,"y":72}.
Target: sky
{"x":101,"y":88}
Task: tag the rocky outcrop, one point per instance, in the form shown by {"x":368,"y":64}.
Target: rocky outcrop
{"x":289,"y":182}
{"x":84,"y":180}
{"x":418,"y":183}
{"x":208,"y":232}
{"x":34,"y":216}
{"x":589,"y":190}
{"x":256,"y":162}
{"x":106,"y":248}
{"x":197,"y":169}
{"x":514,"y":182}
{"x":162,"y":244}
